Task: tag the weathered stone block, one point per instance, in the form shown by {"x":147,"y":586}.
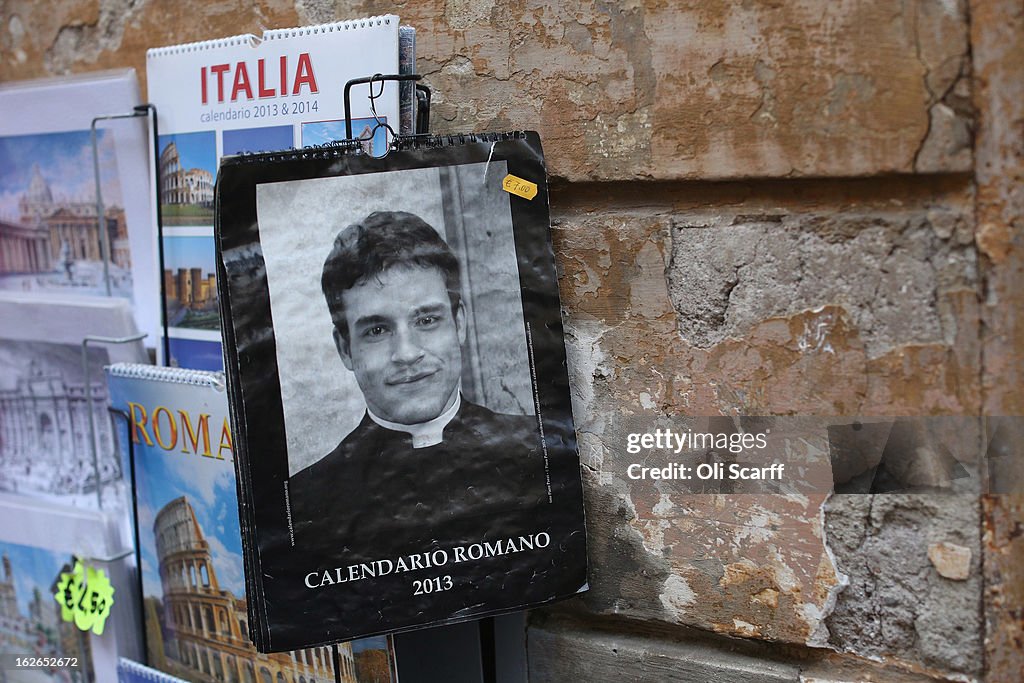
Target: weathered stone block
{"x":29,"y":28}
{"x":642,"y":90}
{"x":893,"y":273}
{"x":897,"y":605}
{"x":790,"y":313}
{"x":997,"y":38}
{"x":1004,"y":590}
{"x":712,"y":90}
{"x":559,"y":655}
{"x":72,"y":36}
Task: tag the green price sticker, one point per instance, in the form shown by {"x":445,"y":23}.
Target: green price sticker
{"x":85,"y":596}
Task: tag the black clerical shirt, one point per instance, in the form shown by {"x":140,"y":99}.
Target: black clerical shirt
{"x":377,"y":501}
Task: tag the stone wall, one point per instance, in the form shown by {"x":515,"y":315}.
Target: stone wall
{"x":792,"y":208}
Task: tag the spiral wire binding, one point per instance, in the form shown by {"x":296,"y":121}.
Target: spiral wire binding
{"x":350,"y":25}
{"x":341,"y":148}
{"x":431,"y":141}
{"x":158,"y":373}
{"x":140,"y":672}
{"x":272,"y":34}
{"x":200,"y":46}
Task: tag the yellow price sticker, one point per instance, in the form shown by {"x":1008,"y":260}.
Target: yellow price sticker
{"x":519,"y":187}
{"x":85,"y":596}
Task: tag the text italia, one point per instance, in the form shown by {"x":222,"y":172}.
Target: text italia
{"x":229,"y":82}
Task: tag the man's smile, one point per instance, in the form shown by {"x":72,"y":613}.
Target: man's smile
{"x":411,"y":377}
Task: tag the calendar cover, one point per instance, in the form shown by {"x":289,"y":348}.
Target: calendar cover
{"x":397,"y":375}
{"x":194,"y":594}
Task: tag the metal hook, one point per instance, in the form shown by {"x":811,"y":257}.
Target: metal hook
{"x":88,"y":397}
{"x":388,"y":142}
{"x":376,"y":78}
{"x":101,"y":219}
{"x":371,"y":80}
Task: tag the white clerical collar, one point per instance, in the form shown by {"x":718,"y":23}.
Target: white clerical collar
{"x":426,"y":433}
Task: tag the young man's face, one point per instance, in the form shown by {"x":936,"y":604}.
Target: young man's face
{"x":404,"y":343}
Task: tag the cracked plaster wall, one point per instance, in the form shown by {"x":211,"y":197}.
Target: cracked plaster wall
{"x":997,"y":37}
{"x":745,"y":314}
{"x":892,"y":272}
{"x":632,"y":90}
{"x":767,"y":294}
{"x":897,"y":605}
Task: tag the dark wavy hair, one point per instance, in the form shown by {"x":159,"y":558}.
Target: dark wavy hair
{"x":383,"y":240}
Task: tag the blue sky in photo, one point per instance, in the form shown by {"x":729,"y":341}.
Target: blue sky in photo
{"x":189,"y":252}
{"x":322,"y":132}
{"x":33,"y":567}
{"x":371,"y":643}
{"x":269,"y":139}
{"x":195,"y":150}
{"x":65,"y":161}
{"x":197,"y":354}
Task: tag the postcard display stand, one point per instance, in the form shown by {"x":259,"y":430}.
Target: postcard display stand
{"x":67,"y":487}
{"x":352,"y":523}
{"x":73,"y":149}
{"x":77,"y":283}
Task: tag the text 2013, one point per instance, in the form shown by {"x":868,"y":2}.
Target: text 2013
{"x":434,"y":585}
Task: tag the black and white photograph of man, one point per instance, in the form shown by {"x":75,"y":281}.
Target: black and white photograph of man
{"x":408,"y":406}
{"x":396,"y":361}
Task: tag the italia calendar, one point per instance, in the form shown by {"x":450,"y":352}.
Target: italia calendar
{"x":280,"y":90}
